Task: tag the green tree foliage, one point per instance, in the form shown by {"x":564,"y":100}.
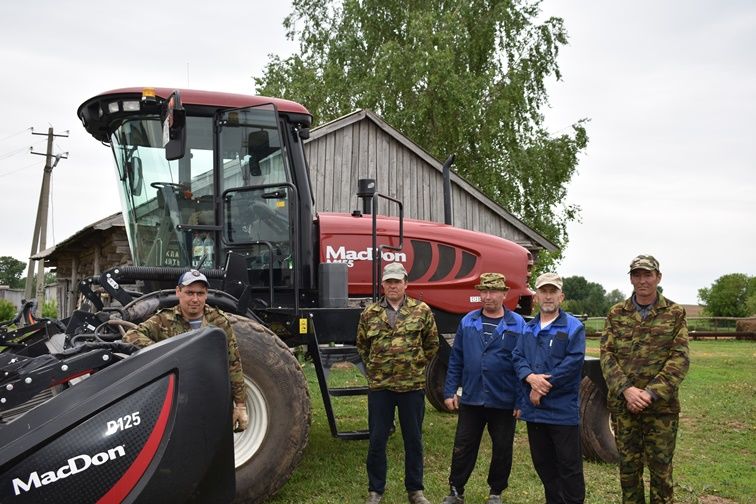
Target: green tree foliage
{"x":732,"y":295}
{"x":751,"y":305}
{"x":50,"y":309}
{"x":461,"y":76}
{"x":7,"y":310}
{"x":588,"y":298}
{"x":613,"y":298}
{"x":11,"y":270}
{"x":50,"y":277}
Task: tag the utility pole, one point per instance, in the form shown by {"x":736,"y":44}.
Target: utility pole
{"x":39,"y":240}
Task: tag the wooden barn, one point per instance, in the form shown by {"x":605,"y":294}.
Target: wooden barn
{"x":92,"y":250}
{"x":356,"y":146}
{"x":362,"y":145}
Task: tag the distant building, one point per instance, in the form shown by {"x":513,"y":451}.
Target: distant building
{"x":92,"y":250}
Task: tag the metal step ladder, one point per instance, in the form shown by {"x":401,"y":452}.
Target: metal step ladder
{"x":323,"y":357}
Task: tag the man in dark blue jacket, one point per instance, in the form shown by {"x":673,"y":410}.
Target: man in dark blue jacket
{"x":549,"y":362}
{"x":481,"y":364}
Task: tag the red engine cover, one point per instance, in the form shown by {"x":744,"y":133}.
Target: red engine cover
{"x":443,"y":262}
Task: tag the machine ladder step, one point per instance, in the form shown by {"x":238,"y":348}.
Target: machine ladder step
{"x":323,"y":357}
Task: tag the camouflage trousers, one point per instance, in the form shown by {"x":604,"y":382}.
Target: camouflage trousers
{"x":645,"y":438}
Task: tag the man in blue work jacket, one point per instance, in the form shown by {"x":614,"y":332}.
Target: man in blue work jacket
{"x":548,"y":360}
{"x":481,"y":363}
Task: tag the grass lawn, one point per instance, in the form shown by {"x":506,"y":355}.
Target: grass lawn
{"x":715,"y":456}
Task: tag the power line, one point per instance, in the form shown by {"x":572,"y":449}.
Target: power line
{"x":12,"y":153}
{"x":18,"y":169}
{"x":15,"y":134}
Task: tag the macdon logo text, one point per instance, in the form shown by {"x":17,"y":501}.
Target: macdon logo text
{"x":74,"y":465}
{"x":342,"y":254}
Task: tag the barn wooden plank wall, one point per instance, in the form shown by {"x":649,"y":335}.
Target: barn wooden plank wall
{"x":361,"y":145}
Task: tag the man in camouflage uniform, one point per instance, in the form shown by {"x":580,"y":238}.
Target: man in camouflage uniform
{"x":192,"y":312}
{"x":396,"y":338}
{"x":644,"y":358}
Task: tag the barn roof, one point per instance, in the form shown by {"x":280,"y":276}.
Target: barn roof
{"x":361,"y":114}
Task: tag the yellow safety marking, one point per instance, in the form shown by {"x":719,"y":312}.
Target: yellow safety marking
{"x":303,"y":326}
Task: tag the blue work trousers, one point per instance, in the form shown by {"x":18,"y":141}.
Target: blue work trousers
{"x":381,"y":407}
{"x":471,"y":423}
{"x":558,"y":460}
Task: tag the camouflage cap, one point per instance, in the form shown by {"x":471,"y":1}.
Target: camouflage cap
{"x":394,"y":271}
{"x":644,"y":262}
{"x":549,"y":279}
{"x":492,"y":281}
{"x":192,"y":276}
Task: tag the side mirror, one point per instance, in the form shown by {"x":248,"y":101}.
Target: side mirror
{"x":258,"y":148}
{"x":174,"y":127}
{"x":134,"y":173}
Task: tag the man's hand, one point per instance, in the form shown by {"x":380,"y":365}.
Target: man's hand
{"x":539,"y":382}
{"x":535,"y":397}
{"x":240,"y":418}
{"x":637,"y":399}
{"x":452,"y":403}
{"x":516,"y":413}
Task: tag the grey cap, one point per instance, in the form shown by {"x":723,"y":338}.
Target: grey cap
{"x":192,"y":276}
{"x":394,"y":271}
{"x":549,"y":279}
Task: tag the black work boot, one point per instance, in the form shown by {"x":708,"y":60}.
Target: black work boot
{"x":454,"y":497}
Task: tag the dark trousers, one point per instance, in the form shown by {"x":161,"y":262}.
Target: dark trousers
{"x":471,"y":422}
{"x":557,"y":458}
{"x":381,"y":406}
{"x":648,"y":437}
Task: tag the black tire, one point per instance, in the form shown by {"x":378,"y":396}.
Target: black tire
{"x":278,"y":404}
{"x":435,"y":375}
{"x":596,"y":435}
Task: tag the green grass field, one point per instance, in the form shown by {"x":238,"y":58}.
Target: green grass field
{"x":715,"y":457}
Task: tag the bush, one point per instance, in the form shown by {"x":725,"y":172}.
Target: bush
{"x":50,"y":309}
{"x":7,"y":310}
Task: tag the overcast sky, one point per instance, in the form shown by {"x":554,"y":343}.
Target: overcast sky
{"x":669,"y":88}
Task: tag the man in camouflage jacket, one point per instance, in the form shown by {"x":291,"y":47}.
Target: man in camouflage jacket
{"x":644,"y":358}
{"x":192,"y":312}
{"x":396,"y":338}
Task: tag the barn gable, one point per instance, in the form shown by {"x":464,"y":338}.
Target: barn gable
{"x":362,"y":145}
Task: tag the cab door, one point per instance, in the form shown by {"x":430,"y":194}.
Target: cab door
{"x":257,"y":195}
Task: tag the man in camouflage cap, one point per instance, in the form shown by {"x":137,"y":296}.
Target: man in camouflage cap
{"x":192,"y":312}
{"x":644,"y":358}
{"x":396,"y":338}
{"x":481,"y":364}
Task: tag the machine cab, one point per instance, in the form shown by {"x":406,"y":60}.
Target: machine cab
{"x":199,"y":180}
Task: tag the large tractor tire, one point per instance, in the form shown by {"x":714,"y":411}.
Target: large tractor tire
{"x":596,"y":434}
{"x":278,"y":405}
{"x":435,"y":375}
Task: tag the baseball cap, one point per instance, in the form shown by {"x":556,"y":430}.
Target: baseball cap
{"x":492,"y":281}
{"x":644,"y":262}
{"x":192,"y":276}
{"x":549,"y":279}
{"x":394,"y":271}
